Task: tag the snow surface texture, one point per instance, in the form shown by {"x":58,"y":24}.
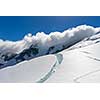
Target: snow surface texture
{"x":28,"y":71}
{"x":78,"y":63}
{"x":41,"y":68}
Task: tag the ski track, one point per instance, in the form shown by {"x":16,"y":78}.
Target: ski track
{"x":86,"y":52}
{"x":93,"y":58}
{"x":82,"y":76}
{"x":89,"y":73}
{"x":59,"y":58}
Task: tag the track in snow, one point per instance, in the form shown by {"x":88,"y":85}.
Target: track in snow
{"x":83,"y":76}
{"x":87,"y":74}
{"x":59,"y":58}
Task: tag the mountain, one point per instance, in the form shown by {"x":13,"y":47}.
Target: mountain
{"x":78,"y":63}
{"x":32,"y":46}
{"x":10,"y":59}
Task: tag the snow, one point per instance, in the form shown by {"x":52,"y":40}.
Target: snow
{"x":78,"y":67}
{"x":27,"y":71}
{"x":79,"y":63}
{"x":59,"y":59}
{"x":18,"y":51}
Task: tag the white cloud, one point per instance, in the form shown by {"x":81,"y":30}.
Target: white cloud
{"x":44,"y":41}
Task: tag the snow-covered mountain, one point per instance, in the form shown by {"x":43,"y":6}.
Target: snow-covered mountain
{"x":74,"y":60}
{"x":77,"y":65}
{"x":12,"y":53}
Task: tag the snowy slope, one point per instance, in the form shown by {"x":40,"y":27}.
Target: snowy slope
{"x":28,"y":71}
{"x":79,"y":65}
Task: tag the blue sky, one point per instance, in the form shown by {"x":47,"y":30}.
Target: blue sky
{"x":16,"y":27}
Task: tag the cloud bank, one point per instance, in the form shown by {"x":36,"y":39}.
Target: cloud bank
{"x":44,"y":41}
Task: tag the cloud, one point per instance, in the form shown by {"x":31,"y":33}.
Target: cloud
{"x":45,"y":41}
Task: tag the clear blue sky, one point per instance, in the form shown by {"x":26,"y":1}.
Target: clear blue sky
{"x":15,"y":27}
